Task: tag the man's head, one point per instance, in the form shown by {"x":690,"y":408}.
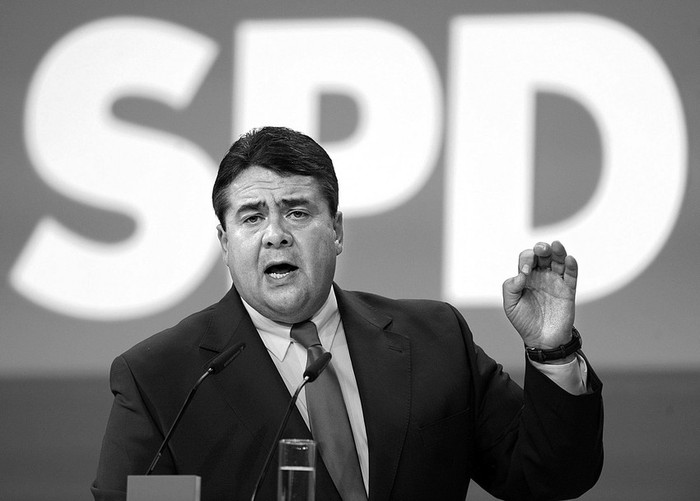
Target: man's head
{"x":280,"y":232}
{"x":281,"y":150}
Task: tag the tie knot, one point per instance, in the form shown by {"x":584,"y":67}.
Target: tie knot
{"x":306,"y":334}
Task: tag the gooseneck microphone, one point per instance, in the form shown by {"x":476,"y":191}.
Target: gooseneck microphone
{"x":310,"y":374}
{"x":219,"y":363}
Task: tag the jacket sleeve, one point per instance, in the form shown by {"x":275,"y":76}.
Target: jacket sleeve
{"x":540,"y":443}
{"x":131,"y":438}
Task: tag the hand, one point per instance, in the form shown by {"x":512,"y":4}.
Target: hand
{"x":539,"y":301}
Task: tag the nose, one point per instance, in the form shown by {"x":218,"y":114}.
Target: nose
{"x":276,"y":234}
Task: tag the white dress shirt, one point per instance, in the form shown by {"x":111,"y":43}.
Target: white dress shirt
{"x":290,"y":359}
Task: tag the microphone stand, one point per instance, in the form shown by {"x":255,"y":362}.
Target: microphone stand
{"x":218,"y":364}
{"x":177,"y":420}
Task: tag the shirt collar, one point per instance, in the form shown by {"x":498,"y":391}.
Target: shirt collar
{"x":276,"y":335}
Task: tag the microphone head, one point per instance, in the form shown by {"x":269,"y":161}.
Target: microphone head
{"x":317,"y":367}
{"x":226,"y":357}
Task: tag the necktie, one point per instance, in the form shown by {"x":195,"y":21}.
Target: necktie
{"x":328,"y":416}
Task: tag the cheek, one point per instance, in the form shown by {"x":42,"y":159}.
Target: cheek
{"x":241,"y":258}
{"x":324,"y":259}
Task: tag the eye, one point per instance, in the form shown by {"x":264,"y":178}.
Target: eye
{"x":298,"y":214}
{"x":252,"y":219}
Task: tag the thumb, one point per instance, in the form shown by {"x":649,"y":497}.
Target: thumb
{"x":512,"y":290}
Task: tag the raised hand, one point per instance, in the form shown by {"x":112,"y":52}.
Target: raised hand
{"x":539,"y":300}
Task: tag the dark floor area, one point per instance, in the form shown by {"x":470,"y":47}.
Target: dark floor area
{"x":50,"y":432}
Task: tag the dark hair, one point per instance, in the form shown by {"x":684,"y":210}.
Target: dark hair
{"x":282,"y":150}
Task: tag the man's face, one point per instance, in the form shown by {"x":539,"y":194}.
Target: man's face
{"x":280,"y":243}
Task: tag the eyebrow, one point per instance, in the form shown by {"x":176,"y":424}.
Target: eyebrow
{"x":292,"y":201}
{"x":251,"y":207}
{"x":284,"y":203}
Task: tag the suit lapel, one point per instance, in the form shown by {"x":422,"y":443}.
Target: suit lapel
{"x":381,"y":361}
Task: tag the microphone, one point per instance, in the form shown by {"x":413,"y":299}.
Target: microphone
{"x":219,"y":363}
{"x":316,"y":368}
{"x":310,"y":374}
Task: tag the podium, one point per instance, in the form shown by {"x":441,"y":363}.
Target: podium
{"x":163,"y":487}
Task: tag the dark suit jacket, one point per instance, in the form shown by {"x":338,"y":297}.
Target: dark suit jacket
{"x":438,"y":411}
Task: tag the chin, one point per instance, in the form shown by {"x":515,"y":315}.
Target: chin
{"x":288,"y":312}
{"x":291,"y":305}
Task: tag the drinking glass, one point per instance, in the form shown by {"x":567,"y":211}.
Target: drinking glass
{"x":296,"y":478}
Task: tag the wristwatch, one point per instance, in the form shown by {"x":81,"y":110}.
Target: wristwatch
{"x":563,"y":351}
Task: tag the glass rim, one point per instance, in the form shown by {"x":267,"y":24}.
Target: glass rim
{"x":297,"y":441}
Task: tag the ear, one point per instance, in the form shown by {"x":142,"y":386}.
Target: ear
{"x":223,"y":242}
{"x":338,"y":227}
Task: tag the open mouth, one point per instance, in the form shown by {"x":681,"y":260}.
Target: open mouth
{"x":280,"y":270}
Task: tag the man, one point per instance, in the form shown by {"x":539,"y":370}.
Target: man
{"x":428,"y":409}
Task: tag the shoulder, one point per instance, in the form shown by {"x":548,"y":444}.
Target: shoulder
{"x":174,"y":343}
{"x":398,"y":305}
{"x":410,"y":312}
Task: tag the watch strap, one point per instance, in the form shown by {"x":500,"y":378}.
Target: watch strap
{"x":563,"y":351}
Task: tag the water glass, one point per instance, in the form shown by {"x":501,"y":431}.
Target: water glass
{"x":296,"y":479}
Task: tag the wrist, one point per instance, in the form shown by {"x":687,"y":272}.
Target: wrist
{"x":564,"y":353}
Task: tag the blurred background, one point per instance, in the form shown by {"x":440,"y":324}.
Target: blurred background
{"x":462,"y":133}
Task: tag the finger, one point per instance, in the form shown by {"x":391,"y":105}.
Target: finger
{"x":558,"y":257}
{"x":543,"y":253}
{"x":526,"y":261}
{"x":571,"y":272}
